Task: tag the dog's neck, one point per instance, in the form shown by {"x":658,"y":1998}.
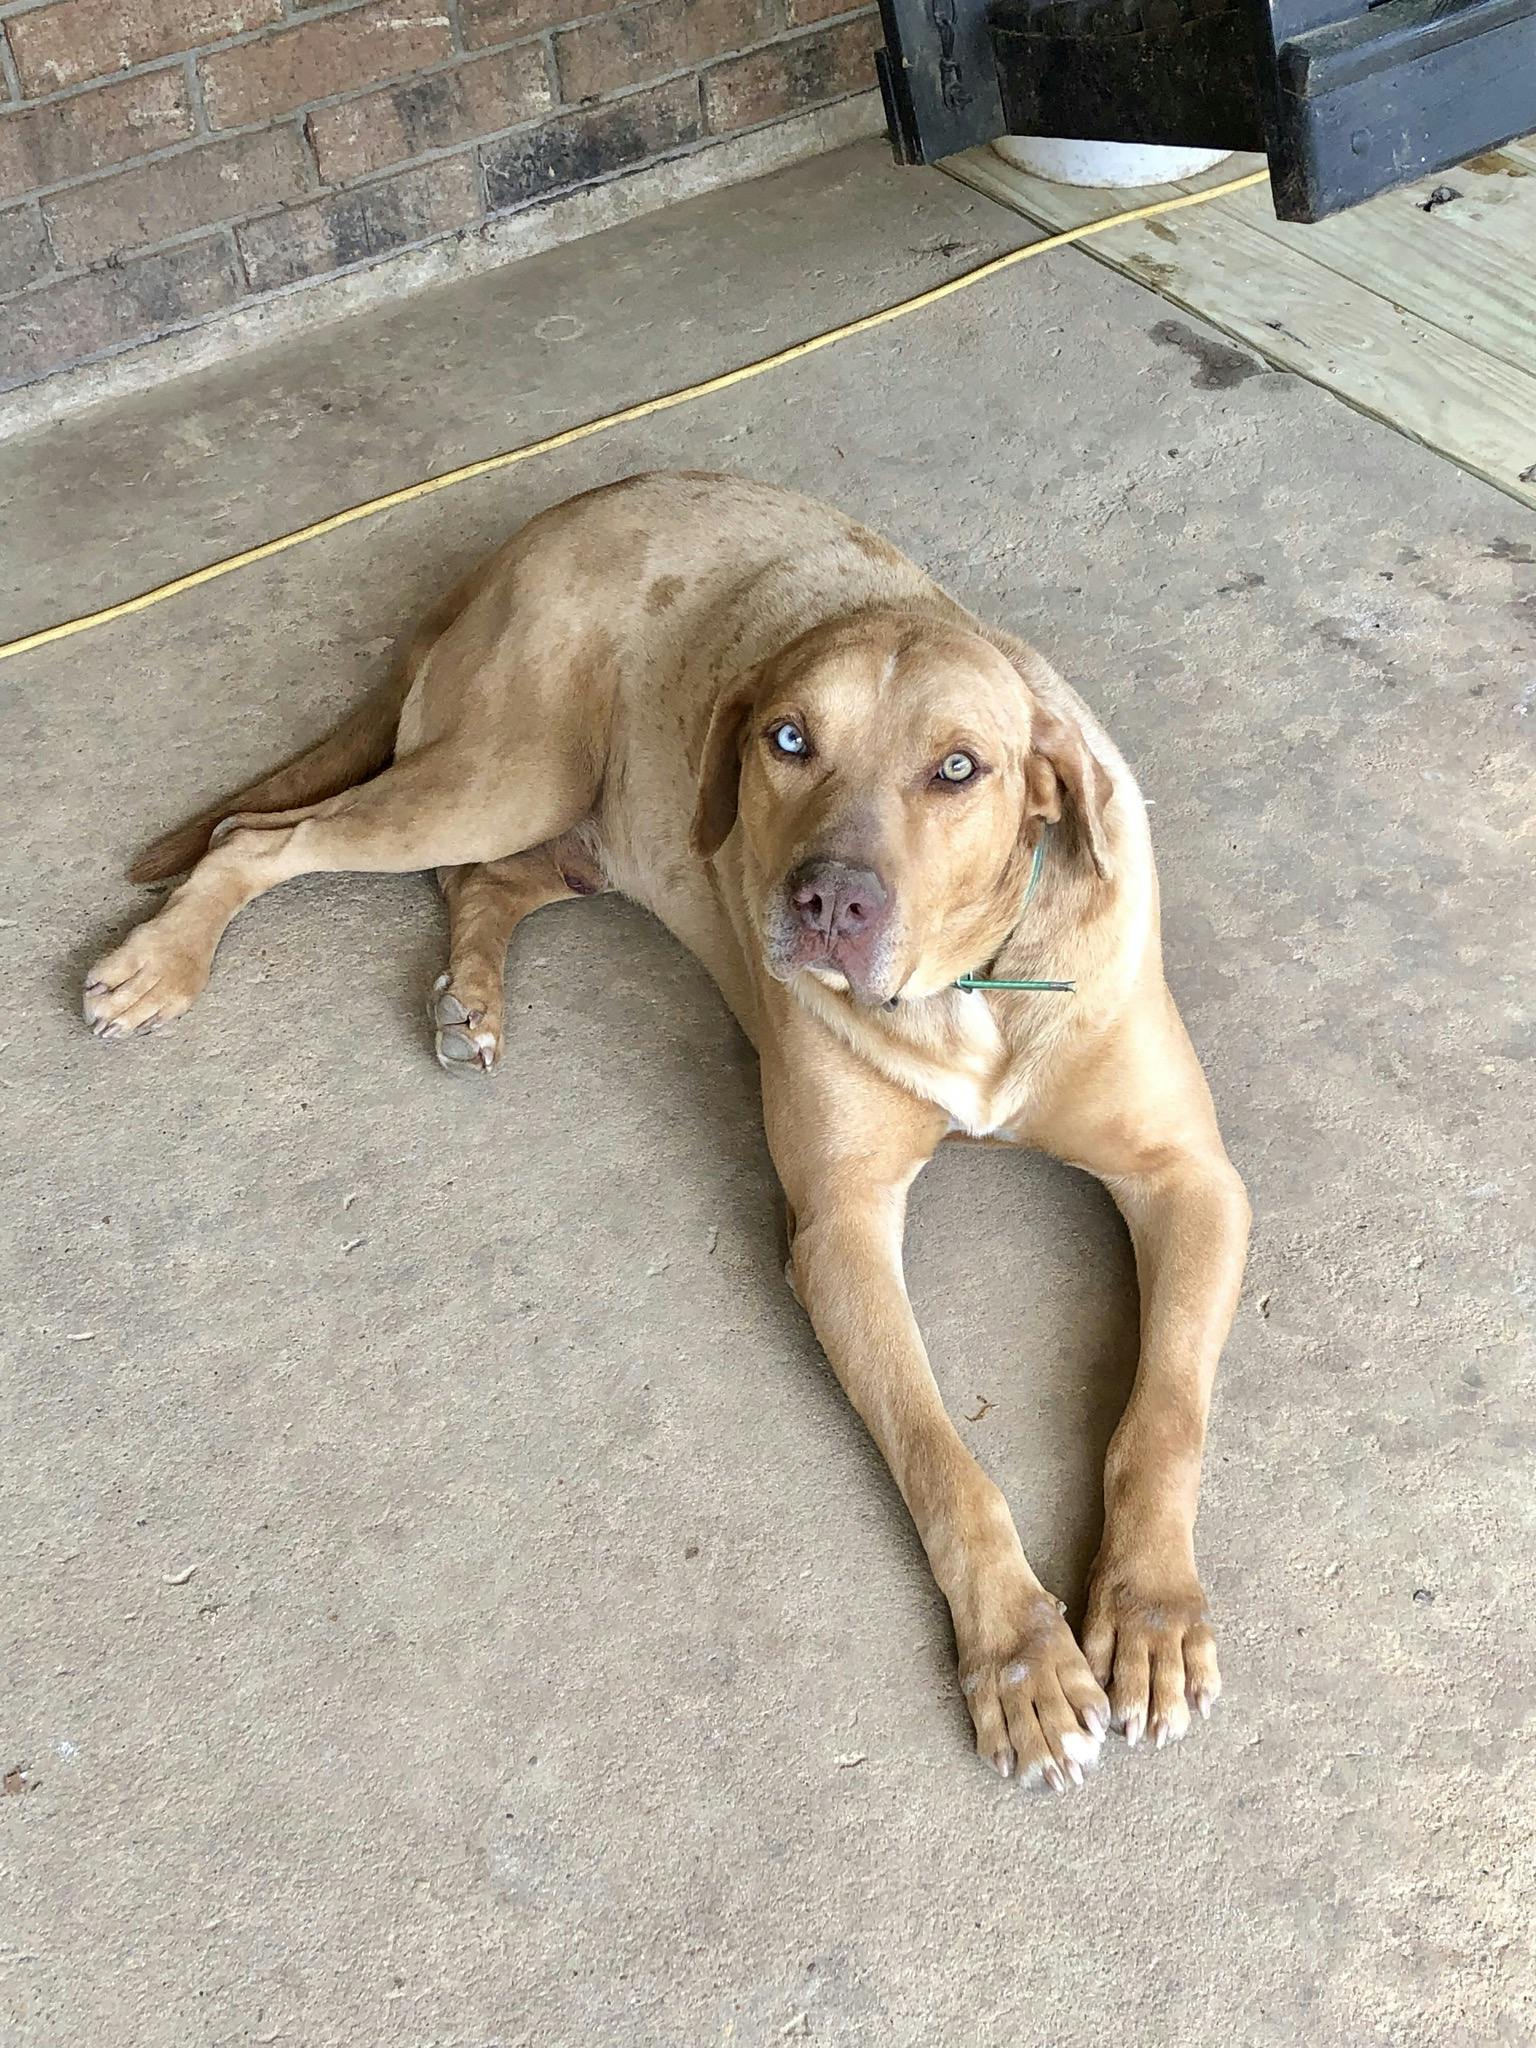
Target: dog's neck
{"x":987,"y":977}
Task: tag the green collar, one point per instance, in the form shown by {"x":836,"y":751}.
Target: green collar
{"x":980,"y":981}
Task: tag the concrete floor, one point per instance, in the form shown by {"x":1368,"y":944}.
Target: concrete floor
{"x":555,"y":1664}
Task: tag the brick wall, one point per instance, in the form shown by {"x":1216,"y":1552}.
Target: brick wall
{"x":163,"y":160}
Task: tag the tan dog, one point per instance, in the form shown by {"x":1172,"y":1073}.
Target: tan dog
{"x":863,"y":774}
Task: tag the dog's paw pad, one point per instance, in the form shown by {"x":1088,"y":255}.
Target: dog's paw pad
{"x":467,"y":1039}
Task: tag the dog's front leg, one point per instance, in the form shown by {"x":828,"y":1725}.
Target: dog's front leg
{"x":1139,"y":1115}
{"x":848,"y":1145}
{"x":1147,"y":1633}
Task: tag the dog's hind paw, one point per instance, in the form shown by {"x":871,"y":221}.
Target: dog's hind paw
{"x":146,"y":983}
{"x":467,"y":1028}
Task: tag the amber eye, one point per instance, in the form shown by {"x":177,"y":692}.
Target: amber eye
{"x":789,"y":739}
{"x":956,"y":768}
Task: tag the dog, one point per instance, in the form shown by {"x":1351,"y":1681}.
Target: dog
{"x":851,"y":800}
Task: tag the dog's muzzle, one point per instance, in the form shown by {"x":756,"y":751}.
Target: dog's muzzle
{"x":835,"y":918}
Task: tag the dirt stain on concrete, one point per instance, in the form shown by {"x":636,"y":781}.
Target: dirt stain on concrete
{"x":1218,"y":365}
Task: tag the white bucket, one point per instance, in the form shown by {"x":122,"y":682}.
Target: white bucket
{"x":1103,"y":163}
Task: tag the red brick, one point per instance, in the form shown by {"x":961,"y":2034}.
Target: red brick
{"x":802,"y":13}
{"x":79,"y":39}
{"x":353,"y":227}
{"x":195,"y":189}
{"x":504,"y":21}
{"x":635,"y":44}
{"x":363,"y":46}
{"x":433,"y":112}
{"x":60,"y":324}
{"x":41,"y":146}
{"x":24,"y":253}
{"x":581,"y":148}
{"x":804,"y":72}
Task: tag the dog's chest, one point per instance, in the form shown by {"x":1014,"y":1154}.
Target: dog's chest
{"x":971,"y":1074}
{"x":956,"y":1057}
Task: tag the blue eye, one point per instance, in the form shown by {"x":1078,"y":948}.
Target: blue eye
{"x":789,"y":739}
{"x":956,"y":768}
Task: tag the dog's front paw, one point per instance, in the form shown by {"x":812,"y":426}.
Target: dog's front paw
{"x":1149,"y":1642}
{"x":466,"y":1022}
{"x":1039,"y":1713}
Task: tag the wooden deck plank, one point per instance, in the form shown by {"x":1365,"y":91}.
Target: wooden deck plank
{"x":1256,"y":283}
{"x":1464,"y":267}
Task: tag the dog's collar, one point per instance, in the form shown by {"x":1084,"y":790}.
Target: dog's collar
{"x":983,"y":981}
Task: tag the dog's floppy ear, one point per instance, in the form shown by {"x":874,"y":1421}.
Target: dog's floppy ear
{"x":714,"y":811}
{"x":1064,"y":775}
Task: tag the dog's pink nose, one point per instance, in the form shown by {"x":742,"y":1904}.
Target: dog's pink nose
{"x":838,"y":900}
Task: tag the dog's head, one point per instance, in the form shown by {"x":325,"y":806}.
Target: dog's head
{"x":889,"y":775}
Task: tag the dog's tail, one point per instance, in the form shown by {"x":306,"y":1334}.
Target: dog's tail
{"x":359,"y":747}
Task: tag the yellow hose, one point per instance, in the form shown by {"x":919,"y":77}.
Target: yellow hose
{"x":467,"y":471}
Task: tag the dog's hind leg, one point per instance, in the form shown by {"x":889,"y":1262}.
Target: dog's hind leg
{"x":486,"y":904}
{"x":443,"y":806}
